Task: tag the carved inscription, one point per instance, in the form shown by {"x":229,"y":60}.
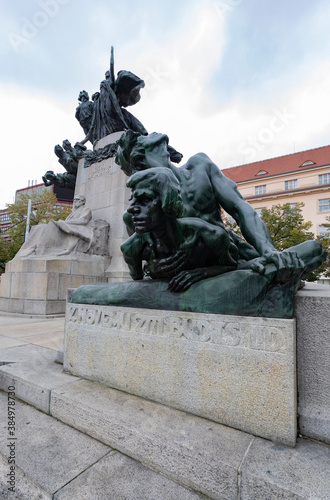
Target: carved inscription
{"x":135,"y":322}
{"x":226,"y":333}
{"x":270,"y":339}
{"x":98,"y":170}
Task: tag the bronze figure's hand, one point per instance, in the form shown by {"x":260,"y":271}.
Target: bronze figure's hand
{"x":166,"y":267}
{"x":185,"y":279}
{"x":288,"y":264}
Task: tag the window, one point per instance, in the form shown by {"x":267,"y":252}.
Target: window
{"x":293,"y":206}
{"x":4,"y":231}
{"x":324,"y":231}
{"x":324,"y":205}
{"x":4,"y":217}
{"x":324,"y":179}
{"x":308,"y":162}
{"x":258,"y":210}
{"x":262,"y":172}
{"x":260,"y":190}
{"x":291,"y":185}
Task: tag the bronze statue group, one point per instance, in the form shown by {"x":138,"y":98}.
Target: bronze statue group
{"x":174,"y":214}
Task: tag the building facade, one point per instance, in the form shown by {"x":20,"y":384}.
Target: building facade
{"x":5,"y":224}
{"x":64,"y":198}
{"x":298,"y":177}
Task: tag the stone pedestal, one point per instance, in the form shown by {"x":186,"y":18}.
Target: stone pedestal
{"x":234,"y":370}
{"x":39,"y":285}
{"x":104,"y":185}
{"x":313,"y":353}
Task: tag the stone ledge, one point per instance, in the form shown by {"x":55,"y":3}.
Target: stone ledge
{"x":55,"y":461}
{"x":276,"y":472}
{"x":34,"y":374}
{"x":26,"y":487}
{"x":117,"y":477}
{"x":194,"y":452}
{"x":217,"y":461}
{"x":108,"y":139}
{"x":212,"y":459}
{"x":33,"y":316}
{"x":48,"y":454}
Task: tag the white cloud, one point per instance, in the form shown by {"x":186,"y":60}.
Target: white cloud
{"x":285,"y":111}
{"x":33,"y":125}
{"x":176,"y":100}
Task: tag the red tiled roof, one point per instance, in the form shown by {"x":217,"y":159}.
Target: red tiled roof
{"x":280,"y":165}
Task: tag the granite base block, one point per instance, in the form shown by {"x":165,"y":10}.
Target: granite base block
{"x":39,"y":285}
{"x":104,"y":185}
{"x":313,"y":353}
{"x":238,"y":371}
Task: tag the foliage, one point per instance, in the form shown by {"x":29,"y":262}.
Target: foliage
{"x":287,"y":228}
{"x":325,"y":242}
{"x":232,"y":226}
{"x":44,"y":208}
{"x":4,"y":254}
{"x":286,"y":225}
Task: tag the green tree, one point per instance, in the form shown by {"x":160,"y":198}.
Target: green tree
{"x":325,"y":242}
{"x":287,"y":228}
{"x":44,"y":208}
{"x":4,"y":253}
{"x":286,"y":225}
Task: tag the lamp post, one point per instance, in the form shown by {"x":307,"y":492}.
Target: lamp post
{"x":28,"y":220}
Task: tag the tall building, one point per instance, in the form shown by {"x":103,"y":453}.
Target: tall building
{"x":5,"y":224}
{"x":64,"y":198}
{"x":298,"y":177}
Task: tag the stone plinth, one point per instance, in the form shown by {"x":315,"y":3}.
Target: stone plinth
{"x":104,"y":185}
{"x":312,"y":308}
{"x":238,"y":371}
{"x":39,"y":285}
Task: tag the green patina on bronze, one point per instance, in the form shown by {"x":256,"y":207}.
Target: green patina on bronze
{"x":68,"y":157}
{"x":180,"y":243}
{"x":106,"y":113}
{"x":243,"y":293}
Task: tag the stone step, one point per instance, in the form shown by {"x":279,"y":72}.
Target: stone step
{"x":193,"y":453}
{"x":197,"y":453}
{"x":33,"y":372}
{"x":218,"y":461}
{"x":55,"y":461}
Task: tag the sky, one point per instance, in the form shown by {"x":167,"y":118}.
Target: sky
{"x":240,"y":80}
